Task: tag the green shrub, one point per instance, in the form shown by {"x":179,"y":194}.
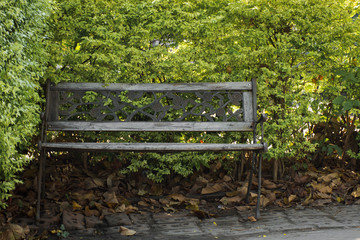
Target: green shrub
{"x":22,"y":25}
{"x":293,"y":48}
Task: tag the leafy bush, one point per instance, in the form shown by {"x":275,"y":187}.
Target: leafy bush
{"x":294,"y":48}
{"x":22,"y":25}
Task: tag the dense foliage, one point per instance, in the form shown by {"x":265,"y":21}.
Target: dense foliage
{"x":303,"y":53}
{"x":22,"y":25}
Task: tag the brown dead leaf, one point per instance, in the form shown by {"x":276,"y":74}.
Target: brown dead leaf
{"x":270,"y":195}
{"x":126,"y":232}
{"x":99,"y":206}
{"x":91,"y":183}
{"x":212,"y":189}
{"x":329,"y":177}
{"x":227,"y":178}
{"x":356,"y":193}
{"x":169,"y":209}
{"x":131,"y":209}
{"x":312,"y":174}
{"x":82,"y":196}
{"x":264,"y":201}
{"x":143,"y":204}
{"x":242,"y":208}
{"x":322,"y":195}
{"x":110,"y":199}
{"x":109,"y":180}
{"x":291,"y":198}
{"x":193,"y":201}
{"x":121,"y":208}
{"x":252,"y":219}
{"x":13,"y":232}
{"x":76,"y":206}
{"x":177,"y":197}
{"x":142,"y":192}
{"x":233,"y":194}
{"x":302,"y":179}
{"x":335,"y":182}
{"x":308,"y":200}
{"x":164,"y":201}
{"x":231,"y":200}
{"x":202,"y":180}
{"x":321,"y":202}
{"x":321,"y":187}
{"x":91,"y":212}
{"x":268,"y":184}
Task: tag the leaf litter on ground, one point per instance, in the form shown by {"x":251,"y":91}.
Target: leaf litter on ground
{"x":207,"y":195}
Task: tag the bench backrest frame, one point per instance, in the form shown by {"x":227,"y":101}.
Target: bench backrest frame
{"x":249,"y":102}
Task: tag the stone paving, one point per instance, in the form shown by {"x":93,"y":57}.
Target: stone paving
{"x":273,"y":224}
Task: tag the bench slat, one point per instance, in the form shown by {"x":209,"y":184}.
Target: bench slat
{"x":151,"y":147}
{"x":150,"y":126}
{"x":156,"y":87}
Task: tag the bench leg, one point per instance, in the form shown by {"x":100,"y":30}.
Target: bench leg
{"x":40,"y":183}
{"x":257,"y":215}
{"x":252,"y":167}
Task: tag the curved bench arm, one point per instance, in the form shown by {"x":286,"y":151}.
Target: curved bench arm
{"x":263,"y":118}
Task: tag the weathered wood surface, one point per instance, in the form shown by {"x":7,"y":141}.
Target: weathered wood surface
{"x":153,"y":87}
{"x":151,"y":147}
{"x":150,"y":126}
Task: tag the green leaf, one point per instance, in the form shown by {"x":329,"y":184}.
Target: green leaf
{"x":339,"y":100}
{"x":347,"y":105}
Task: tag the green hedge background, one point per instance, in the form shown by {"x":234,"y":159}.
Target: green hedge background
{"x":304,"y":54}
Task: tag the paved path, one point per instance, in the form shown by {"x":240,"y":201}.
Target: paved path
{"x":332,"y":222}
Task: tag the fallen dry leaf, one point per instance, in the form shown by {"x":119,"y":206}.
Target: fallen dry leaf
{"x":264,"y":201}
{"x":110,"y":199}
{"x":242,"y":208}
{"x":177,"y":197}
{"x":252,"y":219}
{"x":126,"y":232}
{"x":231,"y":200}
{"x":202,"y":180}
{"x":131,"y":209}
{"x":268,"y":184}
{"x":308,"y":200}
{"x":322,"y":195}
{"x":121,"y":208}
{"x":212,"y":189}
{"x":356,"y":193}
{"x":302,"y":179}
{"x":83,"y":195}
{"x":91,"y":212}
{"x":227,"y":178}
{"x":143,"y":204}
{"x":312,"y":174}
{"x":291,"y":198}
{"x":321,"y":202}
{"x":13,"y":232}
{"x":76,"y":206}
{"x":335,"y":182}
{"x":329,"y":177}
{"x":321,"y":187}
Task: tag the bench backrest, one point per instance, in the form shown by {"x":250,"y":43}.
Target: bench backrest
{"x":227,"y":106}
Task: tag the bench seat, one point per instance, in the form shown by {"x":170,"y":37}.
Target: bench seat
{"x":151,"y":147}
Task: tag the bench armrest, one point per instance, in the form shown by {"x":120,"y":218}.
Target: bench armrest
{"x":263,"y":118}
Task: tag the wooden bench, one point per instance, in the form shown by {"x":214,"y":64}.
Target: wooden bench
{"x":119,"y":107}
